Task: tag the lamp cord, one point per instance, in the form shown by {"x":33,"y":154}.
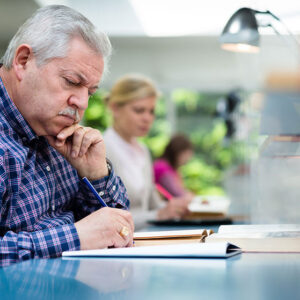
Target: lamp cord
{"x":267,"y":12}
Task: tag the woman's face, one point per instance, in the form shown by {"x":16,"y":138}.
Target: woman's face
{"x":134,"y":119}
{"x":184,"y":157}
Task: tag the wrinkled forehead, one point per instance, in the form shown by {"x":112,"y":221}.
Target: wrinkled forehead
{"x":83,"y":62}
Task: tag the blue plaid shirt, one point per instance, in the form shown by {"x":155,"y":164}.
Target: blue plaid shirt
{"x":41,"y":195}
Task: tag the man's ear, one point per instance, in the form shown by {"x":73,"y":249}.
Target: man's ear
{"x":22,"y":56}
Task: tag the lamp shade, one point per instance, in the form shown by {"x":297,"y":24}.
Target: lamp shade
{"x":241,"y":32}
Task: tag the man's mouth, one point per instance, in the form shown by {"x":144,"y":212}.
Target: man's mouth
{"x":70,"y":113}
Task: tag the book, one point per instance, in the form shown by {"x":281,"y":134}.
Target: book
{"x":260,"y":238}
{"x":208,"y":207}
{"x":151,"y":238}
{"x":191,"y":250}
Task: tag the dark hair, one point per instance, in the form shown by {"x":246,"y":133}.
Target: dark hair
{"x":178,"y":144}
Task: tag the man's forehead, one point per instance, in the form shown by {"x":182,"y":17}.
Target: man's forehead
{"x":83,"y":61}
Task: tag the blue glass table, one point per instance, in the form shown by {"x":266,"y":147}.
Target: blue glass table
{"x":246,"y":276}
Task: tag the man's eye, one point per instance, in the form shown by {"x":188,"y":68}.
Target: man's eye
{"x":70,"y":82}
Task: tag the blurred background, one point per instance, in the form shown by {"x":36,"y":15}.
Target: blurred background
{"x":241,"y":110}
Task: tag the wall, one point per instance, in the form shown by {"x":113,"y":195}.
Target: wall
{"x":198,"y":62}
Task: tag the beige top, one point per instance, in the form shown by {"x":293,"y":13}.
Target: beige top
{"x":132,"y":162}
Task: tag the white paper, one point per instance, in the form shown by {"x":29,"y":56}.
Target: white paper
{"x":209,"y":204}
{"x":258,"y":228}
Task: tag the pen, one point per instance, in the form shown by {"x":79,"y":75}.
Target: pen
{"x":163,"y":191}
{"x":93,"y":190}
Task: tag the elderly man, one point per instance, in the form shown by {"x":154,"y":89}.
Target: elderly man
{"x":51,"y":67}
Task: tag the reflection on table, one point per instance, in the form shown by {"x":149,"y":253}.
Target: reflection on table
{"x":247,"y":276}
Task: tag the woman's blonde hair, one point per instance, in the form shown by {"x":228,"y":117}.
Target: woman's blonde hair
{"x":131,"y":87}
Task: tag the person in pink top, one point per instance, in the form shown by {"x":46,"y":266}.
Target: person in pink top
{"x":177,"y":153}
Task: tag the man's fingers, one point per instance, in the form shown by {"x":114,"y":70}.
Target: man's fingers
{"x":122,"y":217}
{"x":122,"y":236}
{"x":127,"y":218}
{"x":78,"y":137}
{"x":127,"y":235}
{"x":66,"y":132}
{"x":91,"y":136}
{"x":82,"y":139}
{"x":119,"y":241}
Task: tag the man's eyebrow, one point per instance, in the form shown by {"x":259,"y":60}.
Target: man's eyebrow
{"x":95,"y":87}
{"x":84,"y":81}
{"x":81,"y":78}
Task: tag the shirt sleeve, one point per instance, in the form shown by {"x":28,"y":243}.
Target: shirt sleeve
{"x":110,"y":188}
{"x":171,"y":184}
{"x":47,"y":243}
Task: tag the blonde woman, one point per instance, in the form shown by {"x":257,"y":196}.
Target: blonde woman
{"x":132,"y":102}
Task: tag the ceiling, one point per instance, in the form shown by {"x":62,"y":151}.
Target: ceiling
{"x":153,"y":17}
{"x":174,"y":17}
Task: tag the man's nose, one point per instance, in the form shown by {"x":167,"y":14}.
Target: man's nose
{"x":80,"y":99}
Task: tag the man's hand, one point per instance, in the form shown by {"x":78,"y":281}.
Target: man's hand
{"x":84,"y":148}
{"x":103,"y":228}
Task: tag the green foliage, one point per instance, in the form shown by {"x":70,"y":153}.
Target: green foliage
{"x":193,"y":102}
{"x":210,"y":146}
{"x":156,"y":144}
{"x":97,"y":115}
{"x":199,"y":176}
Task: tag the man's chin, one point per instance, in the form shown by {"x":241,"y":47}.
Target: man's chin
{"x":54,"y":132}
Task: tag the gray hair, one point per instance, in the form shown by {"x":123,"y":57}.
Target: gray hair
{"x":50,"y":29}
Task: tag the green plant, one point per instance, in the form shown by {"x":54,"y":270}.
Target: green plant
{"x":97,"y":115}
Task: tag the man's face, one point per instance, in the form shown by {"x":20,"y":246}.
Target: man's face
{"x":55,"y":95}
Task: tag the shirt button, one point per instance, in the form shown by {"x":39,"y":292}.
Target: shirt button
{"x":101,"y":193}
{"x":24,"y":139}
{"x":114,"y":188}
{"x":48,"y":168}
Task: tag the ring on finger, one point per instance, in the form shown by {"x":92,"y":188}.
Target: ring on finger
{"x":124,"y":231}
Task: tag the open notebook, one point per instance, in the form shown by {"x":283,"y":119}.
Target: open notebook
{"x":178,"y":243}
